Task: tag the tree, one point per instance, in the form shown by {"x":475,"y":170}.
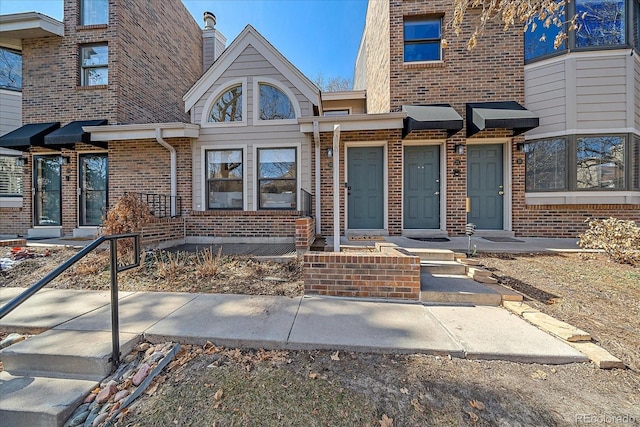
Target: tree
{"x":528,"y":13}
{"x":332,"y":84}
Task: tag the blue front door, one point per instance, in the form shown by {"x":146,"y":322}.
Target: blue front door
{"x":365,"y":191}
{"x":422,"y":187}
{"x":485,"y":186}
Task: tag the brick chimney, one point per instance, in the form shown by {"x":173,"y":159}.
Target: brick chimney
{"x":213,"y":42}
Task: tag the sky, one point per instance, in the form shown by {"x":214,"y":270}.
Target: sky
{"x":317,"y":36}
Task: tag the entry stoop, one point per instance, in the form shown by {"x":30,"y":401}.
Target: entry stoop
{"x":455,"y":289}
{"x":48,"y":375}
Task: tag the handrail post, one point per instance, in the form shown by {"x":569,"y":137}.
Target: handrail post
{"x":115,"y":326}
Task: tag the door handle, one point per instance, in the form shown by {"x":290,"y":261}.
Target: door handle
{"x":437,"y":193}
{"x":501,"y":193}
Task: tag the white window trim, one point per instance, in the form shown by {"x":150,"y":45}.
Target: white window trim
{"x":10,"y":202}
{"x":583,"y":198}
{"x":275,"y":144}
{"x":442,"y":143}
{"x":203,"y":174}
{"x":256,"y":102}
{"x":204,"y":119}
{"x":349,"y":111}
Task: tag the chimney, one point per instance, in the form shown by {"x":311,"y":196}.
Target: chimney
{"x":213,"y":42}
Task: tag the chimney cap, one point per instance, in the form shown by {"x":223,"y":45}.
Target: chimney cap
{"x":209,"y":21}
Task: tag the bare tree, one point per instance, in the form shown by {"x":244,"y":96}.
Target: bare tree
{"x":332,"y":84}
{"x":10,"y":69}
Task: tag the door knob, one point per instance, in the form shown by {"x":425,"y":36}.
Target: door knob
{"x":437,"y":193}
{"x":501,"y":193}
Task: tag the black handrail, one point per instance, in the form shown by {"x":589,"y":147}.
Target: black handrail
{"x":307,"y":202}
{"x":114,"y":268}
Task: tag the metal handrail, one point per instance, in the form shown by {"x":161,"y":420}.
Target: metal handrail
{"x":306,"y":203}
{"x":114,"y":269}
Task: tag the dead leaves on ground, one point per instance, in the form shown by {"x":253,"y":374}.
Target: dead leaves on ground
{"x":385,"y":421}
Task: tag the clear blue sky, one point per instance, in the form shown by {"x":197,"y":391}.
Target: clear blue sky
{"x":317,"y":36}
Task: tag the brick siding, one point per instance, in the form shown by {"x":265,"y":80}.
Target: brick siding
{"x":243,"y":224}
{"x":161,"y":231}
{"x":362,"y":275}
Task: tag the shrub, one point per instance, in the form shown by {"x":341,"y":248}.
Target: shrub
{"x":619,"y":239}
{"x":128,"y":215}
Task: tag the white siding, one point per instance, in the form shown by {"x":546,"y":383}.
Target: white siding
{"x":545,"y":95}
{"x":250,"y":65}
{"x":581,"y":92}
{"x":11,"y":108}
{"x":637,"y":92}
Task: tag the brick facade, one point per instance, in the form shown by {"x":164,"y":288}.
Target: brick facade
{"x":305,"y":233}
{"x":275,"y":225}
{"x":375,"y":275}
{"x":162,"y":232}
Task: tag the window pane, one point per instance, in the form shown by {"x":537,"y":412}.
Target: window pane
{"x":422,"y":29}
{"x":95,"y":55}
{"x":278,"y":194}
{"x":534,"y":47}
{"x":10,"y":177}
{"x":224,"y":164}
{"x":277,"y":163}
{"x":428,"y":51}
{"x":600,"y":162}
{"x":546,"y":165}
{"x":274,"y":104}
{"x":95,"y":12}
{"x":96,"y":76}
{"x":225,"y":194}
{"x":603,"y":23}
{"x":10,"y":69}
{"x":228,"y":107}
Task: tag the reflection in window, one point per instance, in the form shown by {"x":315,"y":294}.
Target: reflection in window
{"x":539,"y":42}
{"x":600,"y":162}
{"x":95,"y":60}
{"x":228,"y":107}
{"x":546,"y":165}
{"x":10,"y":69}
{"x":277,"y":178}
{"x":602,"y":23}
{"x":93,"y":12}
{"x":422,"y":39}
{"x":224,"y":179}
{"x":274,"y":104}
{"x":10,"y":177}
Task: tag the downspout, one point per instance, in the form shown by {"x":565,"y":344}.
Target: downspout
{"x":316,"y":140}
{"x":174,"y":167}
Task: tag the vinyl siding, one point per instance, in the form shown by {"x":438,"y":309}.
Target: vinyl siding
{"x":636,"y":79}
{"x":11,"y":106}
{"x":545,"y":95}
{"x":250,"y":65}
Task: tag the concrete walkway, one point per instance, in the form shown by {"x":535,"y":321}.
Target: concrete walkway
{"x":295,"y":323}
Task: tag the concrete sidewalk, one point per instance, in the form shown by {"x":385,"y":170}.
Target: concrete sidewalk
{"x":295,"y":323}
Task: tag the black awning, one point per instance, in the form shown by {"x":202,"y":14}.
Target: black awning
{"x":430,"y":117}
{"x":503,"y":115}
{"x":27,"y":136}
{"x":72,"y":133}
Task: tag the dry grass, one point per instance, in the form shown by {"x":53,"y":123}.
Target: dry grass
{"x":208,"y":264}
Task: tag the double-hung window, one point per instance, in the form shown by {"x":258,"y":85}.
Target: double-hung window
{"x":10,"y":69}
{"x":10,"y":176}
{"x":422,"y":39}
{"x":94,"y":12}
{"x":277,"y":178}
{"x":94,"y":62}
{"x":224,"y":179}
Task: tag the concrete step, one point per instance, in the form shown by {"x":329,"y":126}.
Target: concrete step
{"x":456,"y":289}
{"x":28,"y":401}
{"x":427,"y":254}
{"x":65,"y":354}
{"x":443,"y":267}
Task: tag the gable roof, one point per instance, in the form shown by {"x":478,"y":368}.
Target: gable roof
{"x":250,"y":37}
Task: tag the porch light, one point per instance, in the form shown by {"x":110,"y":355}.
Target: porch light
{"x":65,"y":160}
{"x":329,"y":152}
{"x":21,"y":162}
{"x":520,"y":147}
{"x":459,"y":149}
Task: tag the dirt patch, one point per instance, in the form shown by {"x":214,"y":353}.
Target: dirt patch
{"x":229,"y":387}
{"x":167,"y":272}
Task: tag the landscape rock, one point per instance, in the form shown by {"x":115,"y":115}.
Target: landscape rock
{"x":11,"y":339}
{"x":120,"y":395}
{"x":108,"y":391}
{"x":141,"y":374}
{"x":99,"y":419}
{"x":90,"y":398}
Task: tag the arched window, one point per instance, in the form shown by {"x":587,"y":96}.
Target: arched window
{"x":228,"y":106}
{"x":275,"y":104}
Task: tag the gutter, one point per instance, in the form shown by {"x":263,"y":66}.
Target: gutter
{"x":174,"y":168}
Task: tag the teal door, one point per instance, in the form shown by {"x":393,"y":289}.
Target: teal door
{"x":485,"y":186}
{"x":93,"y":188}
{"x":365,"y":188}
{"x":422,"y":187}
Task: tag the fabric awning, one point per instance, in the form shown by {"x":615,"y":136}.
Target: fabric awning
{"x":504,"y":115}
{"x":72,"y":133}
{"x":431,"y":117}
{"x":29,"y":135}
